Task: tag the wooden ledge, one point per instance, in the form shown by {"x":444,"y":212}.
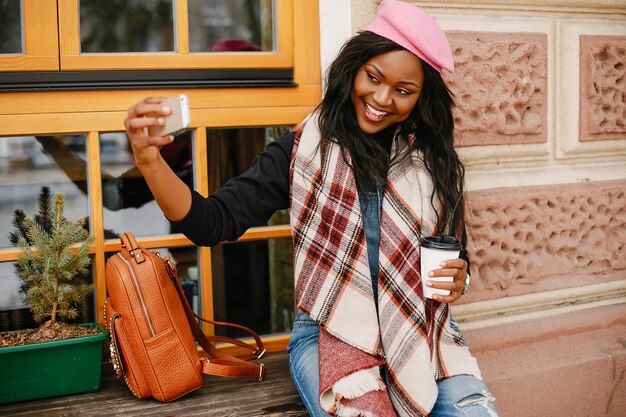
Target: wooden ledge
{"x":273,"y":397}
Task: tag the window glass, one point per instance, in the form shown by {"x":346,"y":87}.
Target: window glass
{"x":253,"y":286}
{"x":231,"y":151}
{"x":10,"y":27}
{"x":127,"y":201}
{"x":230,"y":25}
{"x":126,"y":26}
{"x":27,"y":163}
{"x":186,"y":261}
{"x":14,"y":312}
{"x":253,"y":280}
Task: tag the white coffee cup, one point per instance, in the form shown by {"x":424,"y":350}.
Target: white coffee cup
{"x":433,"y":251}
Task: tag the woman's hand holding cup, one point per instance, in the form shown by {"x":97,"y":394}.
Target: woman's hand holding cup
{"x":455,"y":268}
{"x":443,"y":272}
{"x":147,"y":113}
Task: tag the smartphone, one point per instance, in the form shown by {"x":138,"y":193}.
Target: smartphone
{"x":177,"y":121}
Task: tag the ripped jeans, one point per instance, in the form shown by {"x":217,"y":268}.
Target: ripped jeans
{"x":463,"y":395}
{"x":459,"y":396}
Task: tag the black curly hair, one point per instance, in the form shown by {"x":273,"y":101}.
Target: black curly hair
{"x":431,"y":121}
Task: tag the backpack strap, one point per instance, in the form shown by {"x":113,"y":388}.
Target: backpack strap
{"x":130,"y":246}
{"x":217,"y":363}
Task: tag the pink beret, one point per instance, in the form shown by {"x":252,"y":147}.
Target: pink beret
{"x":410,"y":27}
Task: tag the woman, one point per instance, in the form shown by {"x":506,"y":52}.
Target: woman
{"x":369,"y":173}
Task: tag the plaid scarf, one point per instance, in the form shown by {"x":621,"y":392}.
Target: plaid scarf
{"x":407,"y":337}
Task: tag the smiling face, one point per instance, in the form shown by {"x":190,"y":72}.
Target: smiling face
{"x":386,"y":89}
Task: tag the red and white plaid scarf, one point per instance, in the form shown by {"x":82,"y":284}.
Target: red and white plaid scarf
{"x":408,"y":334}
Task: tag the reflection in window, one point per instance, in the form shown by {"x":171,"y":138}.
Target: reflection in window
{"x":231,"y":151}
{"x":186,"y":261}
{"x":253,"y":286}
{"x":127,"y":201}
{"x":10,"y":27}
{"x":14,"y":312}
{"x":230,"y":25}
{"x":252,"y":281}
{"x":126,"y":26}
{"x":29,"y":162}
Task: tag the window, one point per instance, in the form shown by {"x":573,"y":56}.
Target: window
{"x":147,"y":44}
{"x":66,"y":132}
{"x":27,"y":163}
{"x":197,"y":33}
{"x":231,"y":26}
{"x":263,"y":267}
{"x":11,"y":27}
{"x":127,"y":203}
{"x":29,"y":35}
{"x":131,"y":26}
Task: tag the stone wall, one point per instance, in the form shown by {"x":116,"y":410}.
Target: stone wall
{"x":500,"y":87}
{"x":528,"y":239}
{"x":602,"y":87}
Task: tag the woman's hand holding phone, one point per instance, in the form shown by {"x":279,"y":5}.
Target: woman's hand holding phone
{"x":170,"y":192}
{"x":141,"y":118}
{"x":178,"y":119}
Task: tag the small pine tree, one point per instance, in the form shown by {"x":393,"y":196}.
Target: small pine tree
{"x":48,"y":262}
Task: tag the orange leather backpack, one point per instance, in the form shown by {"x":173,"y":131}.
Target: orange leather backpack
{"x":153,"y":330}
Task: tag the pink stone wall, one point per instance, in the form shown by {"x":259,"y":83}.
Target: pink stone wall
{"x":500,"y":87}
{"x":571,"y":364}
{"x":528,"y":239}
{"x":602,"y":87}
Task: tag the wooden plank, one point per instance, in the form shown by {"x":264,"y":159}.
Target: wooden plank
{"x":119,"y":101}
{"x":285,"y":29}
{"x":219,"y":397}
{"x":267,"y":232}
{"x":40,"y":30}
{"x":275,"y":343}
{"x":40,"y":39}
{"x":165,"y":60}
{"x":307,"y":50}
{"x":28,"y":63}
{"x":11,"y":254}
{"x":201,"y":181}
{"x":181,"y":17}
{"x":169,"y":241}
{"x":69,"y":28}
{"x":23,"y":125}
{"x":97,"y":222}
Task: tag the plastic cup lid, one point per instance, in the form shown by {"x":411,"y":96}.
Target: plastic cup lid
{"x":441,"y":242}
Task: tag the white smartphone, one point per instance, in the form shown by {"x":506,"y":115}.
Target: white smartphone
{"x":177,"y":121}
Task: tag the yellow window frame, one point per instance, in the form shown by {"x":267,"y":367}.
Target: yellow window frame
{"x":95,"y":112}
{"x":72,"y":59}
{"x":41,"y":49}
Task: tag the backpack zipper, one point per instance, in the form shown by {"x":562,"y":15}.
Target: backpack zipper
{"x":137,"y":288}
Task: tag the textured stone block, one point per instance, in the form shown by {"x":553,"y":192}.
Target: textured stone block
{"x":571,"y":364}
{"x":529,"y":239}
{"x":500,"y":87}
{"x":602,"y":87}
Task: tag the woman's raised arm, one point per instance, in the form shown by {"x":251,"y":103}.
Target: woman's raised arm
{"x":170,"y":192}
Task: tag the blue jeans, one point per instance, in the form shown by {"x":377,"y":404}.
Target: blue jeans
{"x":459,"y":396}
{"x":303,"y":363}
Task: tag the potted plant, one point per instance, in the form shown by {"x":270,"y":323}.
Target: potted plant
{"x":57,"y":358}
